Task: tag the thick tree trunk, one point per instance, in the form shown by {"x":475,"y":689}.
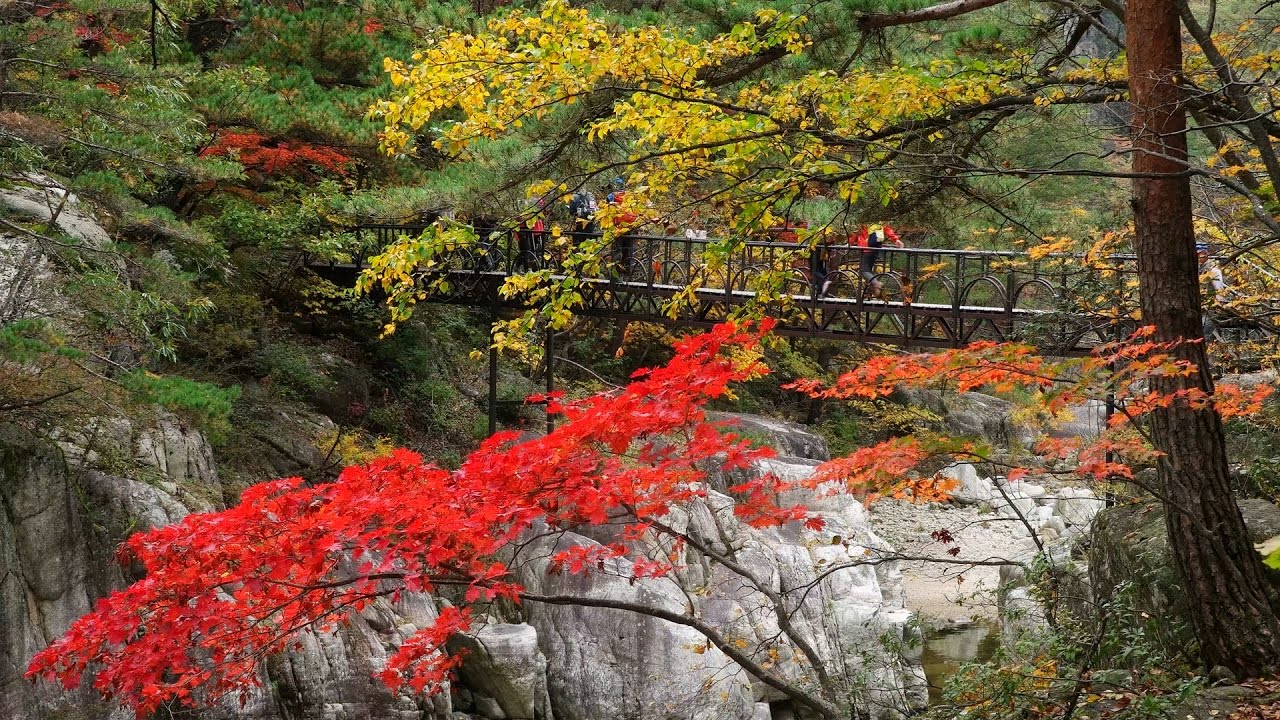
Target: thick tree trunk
{"x":1230,"y":598}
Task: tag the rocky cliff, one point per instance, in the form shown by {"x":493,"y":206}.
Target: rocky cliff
{"x":63,"y":517}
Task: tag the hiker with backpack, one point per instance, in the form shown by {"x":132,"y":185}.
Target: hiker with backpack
{"x":1214,"y":290}
{"x":870,"y":239}
{"x":583,"y":209}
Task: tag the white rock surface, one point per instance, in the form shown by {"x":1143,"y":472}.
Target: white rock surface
{"x":973,"y":489}
{"x":42,"y":200}
{"x":1077,"y":506}
{"x":502,"y":660}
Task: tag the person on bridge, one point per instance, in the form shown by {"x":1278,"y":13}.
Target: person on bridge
{"x":870,"y":239}
{"x":583,"y":208}
{"x":531,"y":237}
{"x":624,"y":244}
{"x":488,"y":254}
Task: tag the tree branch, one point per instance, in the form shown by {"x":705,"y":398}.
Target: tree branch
{"x":941,"y":11}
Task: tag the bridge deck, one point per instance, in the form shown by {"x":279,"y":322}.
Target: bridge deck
{"x":931,"y":298}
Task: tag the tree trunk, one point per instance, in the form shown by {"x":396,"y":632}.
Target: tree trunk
{"x":1230,"y":598}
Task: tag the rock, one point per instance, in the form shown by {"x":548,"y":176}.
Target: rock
{"x":503,"y":662}
{"x":489,"y":708}
{"x":1021,"y":616}
{"x":1052,"y":529}
{"x":1251,"y":381}
{"x":1129,"y":554}
{"x":1026,"y":489}
{"x":1261,"y":517}
{"x":1040,"y":515}
{"x":1009,"y":501}
{"x":168,"y":453}
{"x":1085,"y":420}
{"x":1214,"y":703}
{"x":335,"y":670}
{"x":605,"y":662}
{"x":1222,"y":676}
{"x":612,"y":663}
{"x":49,"y":570}
{"x":1077,"y":506}
{"x":972,"y":414}
{"x":27,"y":287}
{"x":39,"y":203}
{"x":973,"y":489}
{"x":786,"y":437}
{"x":58,"y":533}
{"x":280,"y":441}
{"x":179,"y":452}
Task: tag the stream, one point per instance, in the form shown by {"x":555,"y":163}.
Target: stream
{"x":946,"y":649}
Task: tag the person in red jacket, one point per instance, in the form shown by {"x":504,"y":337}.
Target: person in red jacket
{"x":870,"y":239}
{"x":531,"y":238}
{"x":624,"y":245}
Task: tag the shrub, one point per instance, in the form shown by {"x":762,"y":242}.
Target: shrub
{"x":206,"y":404}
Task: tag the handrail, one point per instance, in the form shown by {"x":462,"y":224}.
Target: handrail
{"x":833,"y":244}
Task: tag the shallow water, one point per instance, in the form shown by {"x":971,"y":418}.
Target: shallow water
{"x":946,"y":649}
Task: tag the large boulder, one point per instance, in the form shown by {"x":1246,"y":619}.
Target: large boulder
{"x":331,"y":675}
{"x":1129,"y":560}
{"x":28,"y":287}
{"x":503,"y":662}
{"x":971,"y":414}
{"x":44,"y":200}
{"x":607,"y":662}
{"x":788,"y":438}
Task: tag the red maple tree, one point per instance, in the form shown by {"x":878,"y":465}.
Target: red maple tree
{"x":224,"y":589}
{"x":271,"y":156}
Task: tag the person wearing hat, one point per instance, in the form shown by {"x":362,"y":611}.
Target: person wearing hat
{"x":1211,"y":274}
{"x":1212,"y":285}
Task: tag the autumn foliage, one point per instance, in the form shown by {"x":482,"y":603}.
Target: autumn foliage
{"x":222,"y":590}
{"x":273,"y":157}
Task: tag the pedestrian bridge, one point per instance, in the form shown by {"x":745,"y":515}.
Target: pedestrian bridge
{"x":908,"y":297}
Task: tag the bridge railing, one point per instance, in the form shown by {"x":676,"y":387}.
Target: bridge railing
{"x":925,"y":296}
{"x":960,"y":278}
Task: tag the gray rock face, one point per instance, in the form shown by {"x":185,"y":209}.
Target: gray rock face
{"x":331,"y":676}
{"x":1033,"y":507}
{"x":50,"y":570}
{"x":503,"y":661}
{"x":787,"y":438}
{"x":1077,"y":506}
{"x":27,"y":276}
{"x":607,"y":661}
{"x":970,"y":414}
{"x":58,"y":530}
{"x":578,"y":661}
{"x":972,"y":489}
{"x":45,"y":199}
{"x":174,"y":457}
{"x":1130,"y":554}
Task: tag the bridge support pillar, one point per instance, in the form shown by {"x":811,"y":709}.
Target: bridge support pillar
{"x":493,"y":380}
{"x":549,"y":359}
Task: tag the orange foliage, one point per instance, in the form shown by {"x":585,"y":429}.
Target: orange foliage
{"x":276,"y":156}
